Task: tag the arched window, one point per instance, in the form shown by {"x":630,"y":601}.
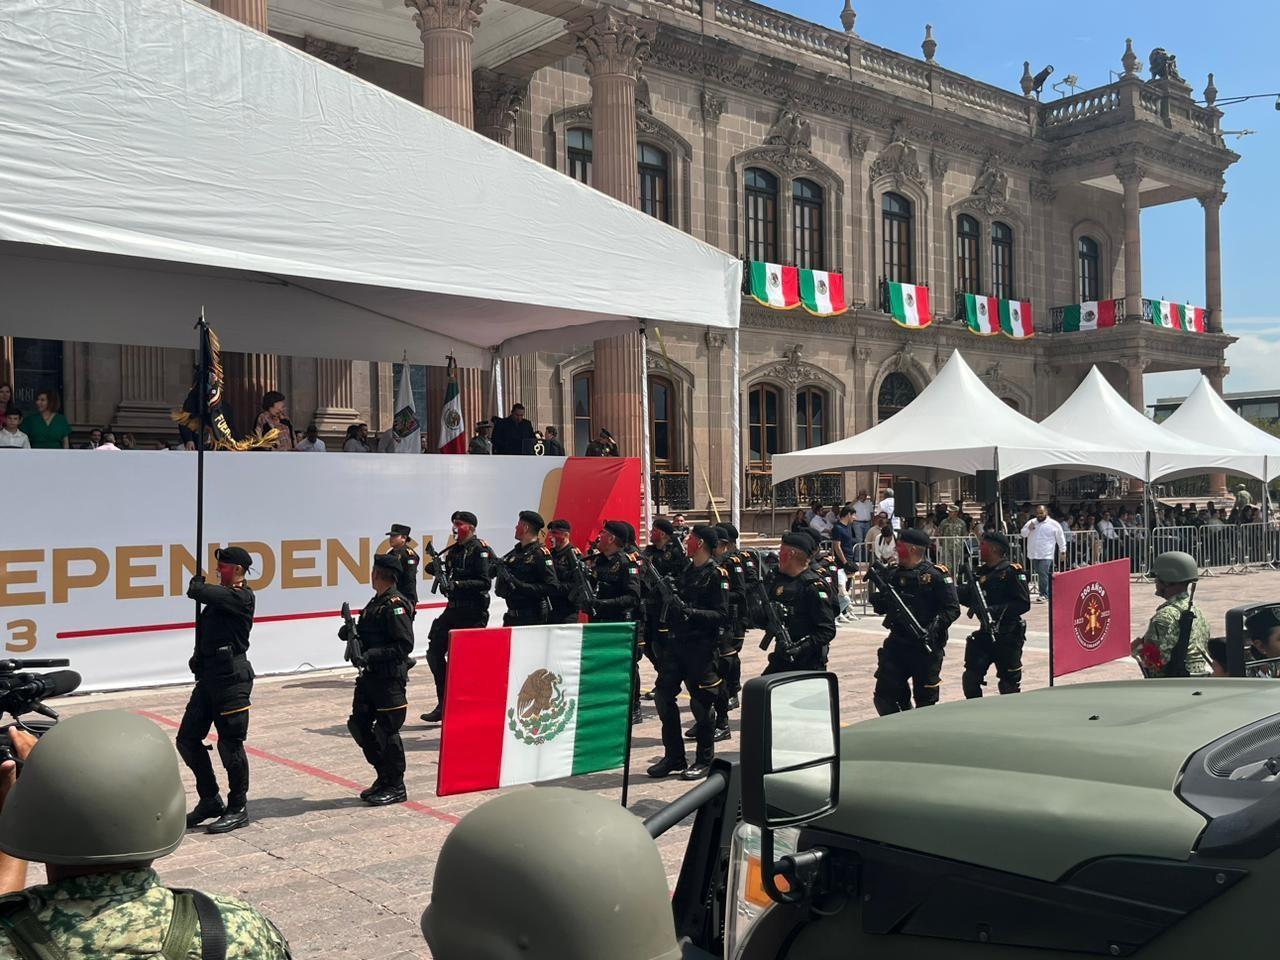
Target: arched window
{"x":896,"y":391}
{"x":1090,"y":288}
{"x":811,"y":418}
{"x":762,"y":418}
{"x":578,"y":140}
{"x":581,"y":413}
{"x":654,"y":189}
{"x":895,"y":226}
{"x":968,"y":271}
{"x":661,"y":423}
{"x":806,"y":209}
{"x":761,"y":215}
{"x":1001,"y":261}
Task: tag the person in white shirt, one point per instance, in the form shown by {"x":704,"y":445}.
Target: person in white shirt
{"x":108,"y":443}
{"x":818,"y":523}
{"x":10,"y":435}
{"x":881,"y":542}
{"x":1043,"y":535}
{"x":311,"y":443}
{"x":863,"y":508}
{"x":886,"y":507}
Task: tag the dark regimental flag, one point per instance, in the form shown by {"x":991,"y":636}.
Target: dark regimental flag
{"x":189,"y":415}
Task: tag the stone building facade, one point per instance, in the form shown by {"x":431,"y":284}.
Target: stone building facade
{"x":774,"y":139}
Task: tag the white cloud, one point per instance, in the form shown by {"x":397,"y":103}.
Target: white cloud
{"x":1254,"y":360}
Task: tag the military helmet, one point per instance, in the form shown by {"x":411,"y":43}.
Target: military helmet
{"x":99,"y":788}
{"x":1175,"y":567}
{"x":550,"y":874}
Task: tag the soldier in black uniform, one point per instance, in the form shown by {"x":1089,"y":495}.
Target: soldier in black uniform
{"x":220,"y":698}
{"x":689,"y":658}
{"x":1004,"y":585}
{"x":806,"y":608}
{"x":379,"y":705}
{"x":407,"y":581}
{"x":731,"y":639}
{"x":532,"y":575}
{"x":564,"y":560}
{"x":929,"y":592}
{"x":616,"y":572}
{"x":470,"y":563}
{"x":665,"y":553}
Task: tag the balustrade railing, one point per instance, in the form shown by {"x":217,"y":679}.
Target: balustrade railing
{"x":671,"y":490}
{"x":760,"y":493}
{"x":1082,"y":106}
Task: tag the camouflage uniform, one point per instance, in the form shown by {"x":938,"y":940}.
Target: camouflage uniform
{"x":127,"y":913}
{"x":951,"y":550}
{"x":1162,"y":632}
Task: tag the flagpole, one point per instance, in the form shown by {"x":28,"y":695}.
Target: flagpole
{"x":202,"y":383}
{"x":626,"y":757}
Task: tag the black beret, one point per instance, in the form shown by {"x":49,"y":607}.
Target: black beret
{"x":465,"y":516}
{"x":631,"y":531}
{"x":1262,"y":622}
{"x":389,"y":562}
{"x":730,"y":531}
{"x":237,"y":555}
{"x":708,"y":534}
{"x":998,"y":538}
{"x":799,"y":541}
{"x":401,"y":529}
{"x":558,"y":524}
{"x":915,"y":536}
{"x":532,"y":518}
{"x":619,"y":529}
{"x":665,"y":525}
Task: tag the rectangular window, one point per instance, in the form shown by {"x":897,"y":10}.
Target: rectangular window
{"x":581,"y":413}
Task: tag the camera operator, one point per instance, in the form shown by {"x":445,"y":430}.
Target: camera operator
{"x":99,"y":800}
{"x":13,"y":872}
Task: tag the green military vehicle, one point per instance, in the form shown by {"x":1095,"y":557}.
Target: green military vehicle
{"x":1111,"y":819}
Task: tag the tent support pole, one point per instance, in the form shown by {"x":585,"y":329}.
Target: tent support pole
{"x":1150,"y":516}
{"x":646,"y":462}
{"x":735,"y":429}
{"x":999,"y":518}
{"x":1266,"y":513}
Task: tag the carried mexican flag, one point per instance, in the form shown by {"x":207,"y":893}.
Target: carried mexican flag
{"x":527,"y":704}
{"x":909,"y":305}
{"x":822,"y":293}
{"x":775,"y":285}
{"x":1089,"y":315}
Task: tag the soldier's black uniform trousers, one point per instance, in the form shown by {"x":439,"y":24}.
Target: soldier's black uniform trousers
{"x":469,"y":566}
{"x":907,"y":670}
{"x":380,"y":702}
{"x":1008,"y":598}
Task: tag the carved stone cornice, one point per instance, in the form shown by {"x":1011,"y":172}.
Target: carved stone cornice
{"x":990,"y":190}
{"x":612,"y":42}
{"x":784,"y":158}
{"x":1043,"y":191}
{"x":858,"y":143}
{"x":445,"y":14}
{"x":715,"y":339}
{"x":712,"y":108}
{"x":938,"y":166}
{"x":1130,"y":171}
{"x":1214,"y":198}
{"x":793,"y":370}
{"x":899,"y":158}
{"x":336,"y":54}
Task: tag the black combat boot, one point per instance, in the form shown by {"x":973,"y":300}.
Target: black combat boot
{"x":637,"y":717}
{"x":667,"y":766}
{"x":207,"y":809}
{"x":435,"y":716}
{"x":370,"y":790}
{"x":237,"y":816}
{"x":722,"y":733}
{"x":387,"y":795}
{"x":698,"y":771}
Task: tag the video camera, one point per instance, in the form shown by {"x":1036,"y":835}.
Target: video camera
{"x":22,"y":692}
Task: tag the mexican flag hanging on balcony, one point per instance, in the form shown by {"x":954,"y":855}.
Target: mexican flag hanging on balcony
{"x":822,"y":293}
{"x":1090,"y":315}
{"x":987,"y":316}
{"x":775,"y":285}
{"x":909,"y":305}
{"x":1177,"y":316}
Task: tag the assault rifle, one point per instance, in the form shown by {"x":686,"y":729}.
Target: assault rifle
{"x":441,"y":581}
{"x":506,"y":578}
{"x":582,"y":587}
{"x":978,"y":599}
{"x":22,"y":692}
{"x":670,"y":599}
{"x":354,"y":653}
{"x":775,"y":624}
{"x":899,"y":612}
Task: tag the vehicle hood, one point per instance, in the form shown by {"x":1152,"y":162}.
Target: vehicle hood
{"x":1039,"y":782}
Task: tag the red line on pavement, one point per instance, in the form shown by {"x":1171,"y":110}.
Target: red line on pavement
{"x":154,"y":627}
{"x":307,"y":769}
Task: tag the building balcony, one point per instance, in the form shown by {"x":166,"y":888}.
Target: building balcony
{"x":759,"y":493}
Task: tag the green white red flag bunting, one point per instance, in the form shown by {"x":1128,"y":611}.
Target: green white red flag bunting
{"x":1091,"y":315}
{"x":453,"y":428}
{"x":529,"y":704}
{"x":785,"y":288}
{"x":987,"y":316}
{"x":1177,"y":316}
{"x":909,"y":305}
{"x":822,"y":293}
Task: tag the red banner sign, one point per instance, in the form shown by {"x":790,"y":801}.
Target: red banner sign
{"x":1088,"y":617}
{"x":592,"y":490}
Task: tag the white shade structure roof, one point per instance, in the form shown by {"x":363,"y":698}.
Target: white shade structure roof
{"x":1097,"y":408}
{"x":156,"y":156}
{"x":958,"y":425}
{"x":1205,"y":415}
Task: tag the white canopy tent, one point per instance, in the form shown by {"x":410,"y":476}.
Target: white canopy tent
{"x":958,"y":425}
{"x":1166,"y":454}
{"x":1204,"y":414}
{"x":156,"y":156}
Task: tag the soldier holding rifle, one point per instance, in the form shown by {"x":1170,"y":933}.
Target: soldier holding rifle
{"x":526,"y":575}
{"x":615,"y":581}
{"x":997,"y":594}
{"x":918,"y":601}
{"x":796,"y":610}
{"x":565,"y":595}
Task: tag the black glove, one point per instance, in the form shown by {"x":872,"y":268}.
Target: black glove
{"x":344,"y":632}
{"x":194,"y":584}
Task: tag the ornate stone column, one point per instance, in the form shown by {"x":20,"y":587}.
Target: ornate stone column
{"x":712,"y":109}
{"x":498,"y":101}
{"x":512,"y":386}
{"x":614,"y":45}
{"x":1212,"y":203}
{"x":718,"y":459}
{"x":335,"y":397}
{"x":249,"y":376}
{"x":6,"y":360}
{"x":1130,"y":175}
{"x":1217,"y":481}
{"x":1135,"y":367}
{"x":143,"y":403}
{"x":252,"y":13}
{"x":446,"y":27}
{"x":473,"y":391}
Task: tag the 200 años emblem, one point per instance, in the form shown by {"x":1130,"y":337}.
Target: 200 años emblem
{"x":542,"y":711}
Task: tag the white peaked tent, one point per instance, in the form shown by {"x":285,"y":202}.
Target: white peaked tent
{"x":958,"y":425}
{"x":156,"y":156}
{"x":1204,"y":414}
{"x":1095,"y":402}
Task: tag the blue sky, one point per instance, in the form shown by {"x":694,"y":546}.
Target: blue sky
{"x":1235,"y":40}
